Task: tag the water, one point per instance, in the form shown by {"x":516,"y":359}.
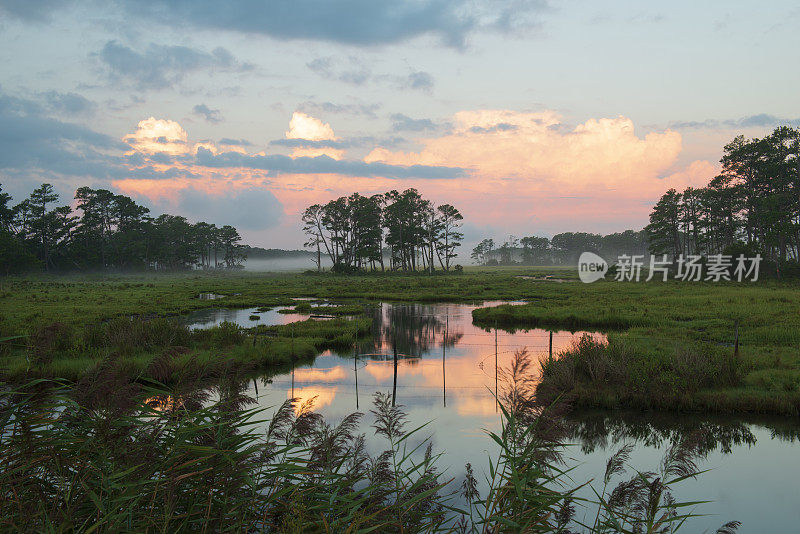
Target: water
{"x":211,"y":317}
{"x":446,"y":376}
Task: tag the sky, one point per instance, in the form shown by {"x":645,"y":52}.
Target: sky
{"x":532,"y":117}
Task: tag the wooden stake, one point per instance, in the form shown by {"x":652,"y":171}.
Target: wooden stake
{"x":497,"y":399}
{"x":394,"y":387}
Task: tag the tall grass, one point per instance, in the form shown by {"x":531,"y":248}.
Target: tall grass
{"x":618,"y":372}
{"x":111,"y":455}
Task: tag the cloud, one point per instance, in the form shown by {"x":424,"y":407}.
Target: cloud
{"x":527,"y":170}
{"x":761,"y":120}
{"x":68,"y":103}
{"x":367,"y":110}
{"x":324,"y":165}
{"x":159,"y":136}
{"x":161,"y":66}
{"x":234,"y":142}
{"x":210,"y":115}
{"x":421,"y":81}
{"x":354,"y":71}
{"x":307,"y":143}
{"x":249,"y":208}
{"x":304,"y":126}
{"x":500,"y":127}
{"x":32,"y":142}
{"x":401,"y":122}
{"x":352,"y":22}
{"x":31,"y":10}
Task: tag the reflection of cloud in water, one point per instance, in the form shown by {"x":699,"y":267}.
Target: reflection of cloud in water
{"x":330,"y":374}
{"x":324,"y":396}
{"x":475,"y":404}
{"x":384,"y":371}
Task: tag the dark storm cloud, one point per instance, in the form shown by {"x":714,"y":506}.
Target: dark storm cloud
{"x":762,"y":120}
{"x":246,"y":209}
{"x":210,"y":115}
{"x":161,"y":66}
{"x":323,"y":165}
{"x":401,"y":122}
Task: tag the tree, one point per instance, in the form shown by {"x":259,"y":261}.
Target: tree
{"x":535,"y":250}
{"x":664,"y":229}
{"x":356,"y":230}
{"x":480,"y":254}
{"x":229,"y":237}
{"x":450,"y":221}
{"x":754,"y":203}
{"x":43,"y":223}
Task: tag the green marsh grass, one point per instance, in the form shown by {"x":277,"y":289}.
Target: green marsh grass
{"x":654,"y":320}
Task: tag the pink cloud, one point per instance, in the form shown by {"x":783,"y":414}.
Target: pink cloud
{"x":526,"y":171}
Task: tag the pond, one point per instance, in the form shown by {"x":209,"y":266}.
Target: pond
{"x":446,"y":375}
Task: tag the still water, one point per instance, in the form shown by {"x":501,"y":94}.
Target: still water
{"x":447,"y":375}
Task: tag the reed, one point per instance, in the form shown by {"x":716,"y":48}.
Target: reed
{"x":115,"y":455}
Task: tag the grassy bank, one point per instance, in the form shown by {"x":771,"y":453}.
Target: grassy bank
{"x":165,"y":349}
{"x":671,"y":345}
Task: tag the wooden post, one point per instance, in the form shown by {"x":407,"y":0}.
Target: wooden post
{"x":551,"y":345}
{"x":291,"y":332}
{"x":496,"y":397}
{"x":736,"y":342}
{"x":444,"y":349}
{"x":394,"y":387}
{"x":355,"y":370}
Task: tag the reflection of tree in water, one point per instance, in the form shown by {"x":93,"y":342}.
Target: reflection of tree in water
{"x":598,"y":430}
{"x":415,"y":329}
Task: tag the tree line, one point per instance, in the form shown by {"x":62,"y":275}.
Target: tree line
{"x":396,"y":231}
{"x":752,"y":206}
{"x":561,"y":249}
{"x":106,"y":231}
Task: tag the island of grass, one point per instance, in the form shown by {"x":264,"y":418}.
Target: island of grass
{"x":679,"y":346}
